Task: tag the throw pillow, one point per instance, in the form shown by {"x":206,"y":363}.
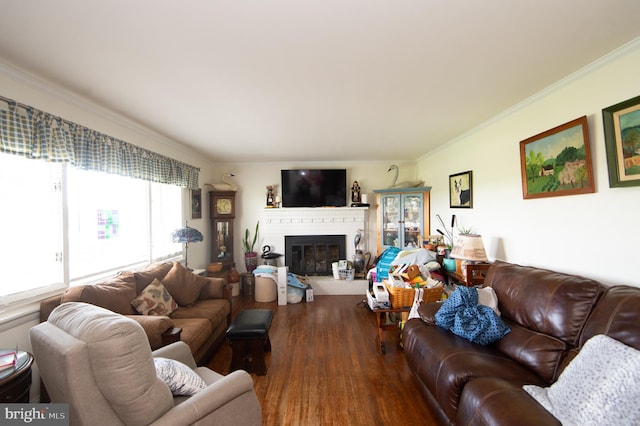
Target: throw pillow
{"x":154,"y":300}
{"x":184,"y":285}
{"x":463,"y":316}
{"x":487,"y":297}
{"x":598,"y":387}
{"x":180,"y":378}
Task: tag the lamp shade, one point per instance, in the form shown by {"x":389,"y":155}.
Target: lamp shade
{"x":469,"y":247}
{"x":186,"y":235}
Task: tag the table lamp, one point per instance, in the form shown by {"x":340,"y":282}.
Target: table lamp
{"x":469,"y":249}
{"x":186,"y":235}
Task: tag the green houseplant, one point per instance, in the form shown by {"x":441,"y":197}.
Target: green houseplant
{"x":248,"y":245}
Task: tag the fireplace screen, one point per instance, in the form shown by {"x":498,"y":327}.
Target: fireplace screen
{"x":313,"y":254}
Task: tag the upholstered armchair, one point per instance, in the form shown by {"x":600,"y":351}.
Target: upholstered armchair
{"x":100,"y":363}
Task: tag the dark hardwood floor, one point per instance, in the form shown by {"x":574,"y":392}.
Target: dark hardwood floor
{"x":325,"y":367}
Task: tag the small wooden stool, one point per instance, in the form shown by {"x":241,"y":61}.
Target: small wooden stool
{"x":248,"y":335}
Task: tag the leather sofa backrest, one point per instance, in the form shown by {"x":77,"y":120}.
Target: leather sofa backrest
{"x":546,"y":312}
{"x":544,"y":301}
{"x":616,"y":315}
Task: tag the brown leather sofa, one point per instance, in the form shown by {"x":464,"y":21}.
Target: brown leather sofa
{"x":201,"y":319}
{"x":551,"y":316}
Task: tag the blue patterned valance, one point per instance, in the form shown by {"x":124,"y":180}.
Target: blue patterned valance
{"x":30,"y":133}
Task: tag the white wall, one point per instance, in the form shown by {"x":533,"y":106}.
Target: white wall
{"x":592,"y":235}
{"x":252,"y":180}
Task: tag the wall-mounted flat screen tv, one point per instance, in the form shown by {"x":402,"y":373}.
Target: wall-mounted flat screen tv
{"x":314,"y":188}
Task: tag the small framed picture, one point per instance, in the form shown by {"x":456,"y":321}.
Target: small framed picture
{"x":622,"y":142}
{"x":557,"y":162}
{"x":461,"y":190}
{"x":196,"y":204}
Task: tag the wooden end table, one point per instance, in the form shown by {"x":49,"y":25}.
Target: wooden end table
{"x":15,"y":381}
{"x":380,"y":314}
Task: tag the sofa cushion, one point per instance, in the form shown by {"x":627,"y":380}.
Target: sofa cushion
{"x":154,"y":300}
{"x":195,"y":332}
{"x":539,"y":352}
{"x":616,"y":315}
{"x":183,"y":284}
{"x":213,"y":310}
{"x":599,"y":387}
{"x":543,"y":301}
{"x":146,"y":275}
{"x":114,"y":294}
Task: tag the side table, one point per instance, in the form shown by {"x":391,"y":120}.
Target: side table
{"x":15,"y":382}
{"x":380,"y":314}
{"x":475,"y":275}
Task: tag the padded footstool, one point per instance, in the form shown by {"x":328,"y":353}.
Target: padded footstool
{"x":248,"y":335}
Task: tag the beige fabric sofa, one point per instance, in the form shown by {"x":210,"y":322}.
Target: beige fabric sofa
{"x":99,"y":363}
{"x":200,"y":320}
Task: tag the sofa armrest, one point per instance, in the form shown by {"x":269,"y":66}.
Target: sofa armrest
{"x":178,"y":351}
{"x":218,"y":288}
{"x":214,"y":289}
{"x":231,"y":397}
{"x":427,"y":312}
{"x":170,"y":336}
{"x":154,"y":326}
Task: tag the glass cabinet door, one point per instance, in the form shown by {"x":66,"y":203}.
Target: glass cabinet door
{"x":402,"y":220}
{"x":390,"y":220}
{"x":413,"y":219}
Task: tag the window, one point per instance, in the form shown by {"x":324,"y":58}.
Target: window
{"x":31,"y":221}
{"x":112,"y":222}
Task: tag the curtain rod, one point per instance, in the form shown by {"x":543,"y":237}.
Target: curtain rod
{"x":27,"y":107}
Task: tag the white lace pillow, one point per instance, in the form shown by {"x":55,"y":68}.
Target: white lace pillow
{"x":599,"y":387}
{"x":180,"y":378}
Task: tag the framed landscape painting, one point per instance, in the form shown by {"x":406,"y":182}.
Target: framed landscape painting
{"x":622,"y":142}
{"x":557,"y":162}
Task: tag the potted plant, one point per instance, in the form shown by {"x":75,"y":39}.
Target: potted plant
{"x":250,"y":256}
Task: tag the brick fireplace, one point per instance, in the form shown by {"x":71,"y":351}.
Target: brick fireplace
{"x":276,"y":224}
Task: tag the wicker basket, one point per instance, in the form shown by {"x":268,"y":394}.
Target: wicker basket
{"x":403,"y":297}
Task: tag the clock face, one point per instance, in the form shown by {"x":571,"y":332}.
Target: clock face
{"x":224,"y":206}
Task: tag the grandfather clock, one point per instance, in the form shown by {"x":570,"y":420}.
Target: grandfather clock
{"x":223,"y":210}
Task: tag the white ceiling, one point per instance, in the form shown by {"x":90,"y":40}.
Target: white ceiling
{"x":325,"y":80}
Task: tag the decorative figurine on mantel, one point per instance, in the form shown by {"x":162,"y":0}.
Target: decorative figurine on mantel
{"x":270,"y":197}
{"x":355,"y":193}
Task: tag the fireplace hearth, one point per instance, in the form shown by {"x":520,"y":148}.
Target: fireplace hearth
{"x":314,"y":254}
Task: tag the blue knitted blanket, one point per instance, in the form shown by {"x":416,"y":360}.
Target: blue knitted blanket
{"x":462,"y":314}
